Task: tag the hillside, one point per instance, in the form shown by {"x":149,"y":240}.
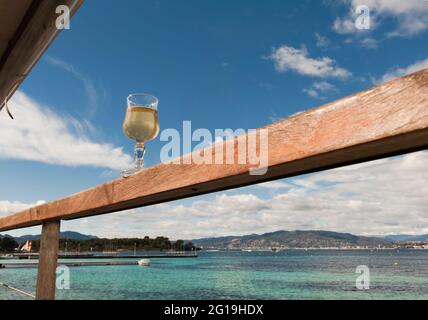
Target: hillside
{"x":292,"y":239}
{"x":406,"y":237}
{"x":64,"y":235}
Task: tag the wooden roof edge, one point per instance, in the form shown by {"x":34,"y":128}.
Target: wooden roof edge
{"x":35,"y":33}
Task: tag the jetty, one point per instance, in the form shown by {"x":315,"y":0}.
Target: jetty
{"x":33,"y":256}
{"x":387,"y":120}
{"x":71,"y":264}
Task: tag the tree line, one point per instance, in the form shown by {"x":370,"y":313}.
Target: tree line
{"x":8,"y":244}
{"x":120,"y":244}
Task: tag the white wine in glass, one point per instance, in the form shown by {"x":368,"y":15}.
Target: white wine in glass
{"x":141,"y":124}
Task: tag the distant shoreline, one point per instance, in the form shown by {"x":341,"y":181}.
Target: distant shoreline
{"x":307,"y":249}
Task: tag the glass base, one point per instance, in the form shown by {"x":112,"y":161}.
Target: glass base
{"x":129,"y":172}
{"x":139,"y":152}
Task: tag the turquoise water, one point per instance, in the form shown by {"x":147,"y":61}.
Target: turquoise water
{"x":246,"y":275}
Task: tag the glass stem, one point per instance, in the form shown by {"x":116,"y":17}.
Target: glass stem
{"x":139,"y":151}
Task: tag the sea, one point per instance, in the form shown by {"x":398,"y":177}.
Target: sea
{"x":289,"y":274}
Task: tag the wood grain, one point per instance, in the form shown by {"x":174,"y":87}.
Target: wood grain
{"x":46,"y":276}
{"x":34,"y":38}
{"x":389,"y":119}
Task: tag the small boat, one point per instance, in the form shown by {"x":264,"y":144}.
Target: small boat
{"x":144,"y":262}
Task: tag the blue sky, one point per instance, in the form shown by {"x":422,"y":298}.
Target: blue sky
{"x":220,"y":64}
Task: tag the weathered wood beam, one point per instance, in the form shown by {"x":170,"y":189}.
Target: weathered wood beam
{"x":33,"y":37}
{"x":46,"y":276}
{"x":389,"y":119}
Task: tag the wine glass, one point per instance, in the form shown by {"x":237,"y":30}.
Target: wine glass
{"x":141,"y":124}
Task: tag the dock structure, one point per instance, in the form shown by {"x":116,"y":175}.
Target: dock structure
{"x":71,"y":264}
{"x":101,"y":257}
{"x":92,"y":261}
{"x":389,"y":119}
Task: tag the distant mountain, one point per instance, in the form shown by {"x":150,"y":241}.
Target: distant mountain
{"x":407,"y":237}
{"x":63,"y":235}
{"x":292,"y":239}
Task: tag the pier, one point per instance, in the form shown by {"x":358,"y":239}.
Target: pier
{"x":119,"y":260}
{"x":70,"y":264}
{"x":78,"y":256}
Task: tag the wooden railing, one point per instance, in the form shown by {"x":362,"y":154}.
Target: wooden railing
{"x":389,"y":119}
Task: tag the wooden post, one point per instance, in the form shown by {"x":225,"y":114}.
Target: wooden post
{"x":46,"y":276}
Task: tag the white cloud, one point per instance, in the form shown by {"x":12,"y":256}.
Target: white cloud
{"x":324,"y":86}
{"x":39,"y":134}
{"x":369,"y":43}
{"x":274,"y":117}
{"x":374,"y":198}
{"x":87,"y":83}
{"x":411,"y":16}
{"x":289,"y":58}
{"x":322,"y":41}
{"x":312,"y":92}
{"x":344,"y":25}
{"x":273,"y":185}
{"x":319,"y":88}
{"x":399,"y":72}
{"x":8,"y":207}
